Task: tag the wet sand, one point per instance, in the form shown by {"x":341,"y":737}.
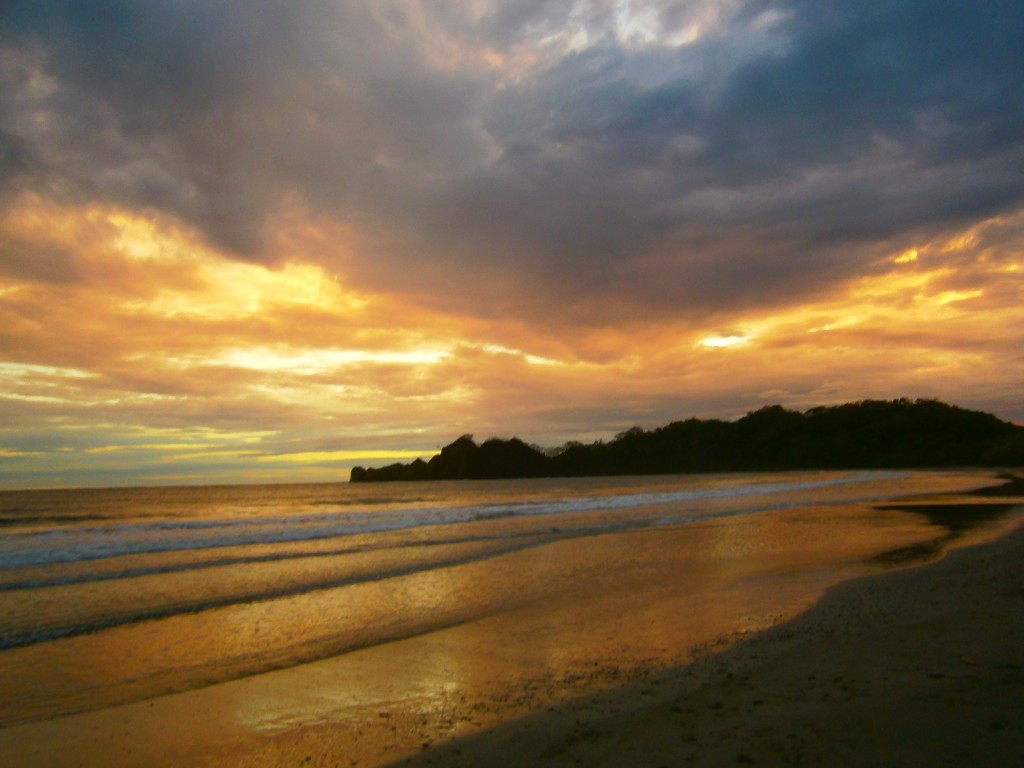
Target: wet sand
{"x":664,"y":647}
{"x":921,"y":667}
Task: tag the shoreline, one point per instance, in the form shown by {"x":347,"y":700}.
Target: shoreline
{"x":582,"y":674}
{"x":917,"y":666}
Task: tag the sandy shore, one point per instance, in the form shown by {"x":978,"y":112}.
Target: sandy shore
{"x":669,"y":646}
{"x":915,"y":667}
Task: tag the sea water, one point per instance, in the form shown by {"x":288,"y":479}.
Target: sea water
{"x":110,"y":596}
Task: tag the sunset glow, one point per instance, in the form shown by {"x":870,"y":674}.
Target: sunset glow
{"x":350,"y":232}
{"x":724,"y":341}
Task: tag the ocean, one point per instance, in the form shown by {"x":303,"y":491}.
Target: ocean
{"x":114,"y":596}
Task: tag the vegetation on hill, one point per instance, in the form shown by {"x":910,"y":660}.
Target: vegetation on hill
{"x":865,"y":435}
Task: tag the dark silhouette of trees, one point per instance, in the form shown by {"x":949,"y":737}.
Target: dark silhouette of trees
{"x":465,"y":460}
{"x":871,"y":434}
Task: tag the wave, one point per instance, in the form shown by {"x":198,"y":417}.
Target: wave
{"x":13,"y":636}
{"x":85,"y":543}
{"x":131,"y":572}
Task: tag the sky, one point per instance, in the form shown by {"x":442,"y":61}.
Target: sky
{"x":268,"y":241}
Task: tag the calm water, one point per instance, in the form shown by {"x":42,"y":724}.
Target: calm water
{"x":110,"y":596}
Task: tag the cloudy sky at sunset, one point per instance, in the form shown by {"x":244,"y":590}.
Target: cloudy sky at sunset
{"x":263,"y":240}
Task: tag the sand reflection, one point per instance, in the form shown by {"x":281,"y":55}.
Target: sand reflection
{"x":553,"y":616}
{"x":569,"y":619}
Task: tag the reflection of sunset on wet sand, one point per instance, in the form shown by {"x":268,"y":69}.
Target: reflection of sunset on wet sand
{"x":424,"y":636}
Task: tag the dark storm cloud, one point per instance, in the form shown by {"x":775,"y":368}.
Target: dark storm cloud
{"x":762,"y":160}
{"x":213,"y":111}
{"x":856,"y":129}
{"x":933,"y":85}
{"x":853,"y":128}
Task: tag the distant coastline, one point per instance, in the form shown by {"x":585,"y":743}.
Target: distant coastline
{"x":870,"y":434}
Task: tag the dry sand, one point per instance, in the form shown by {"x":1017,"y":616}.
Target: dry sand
{"x":914,"y":667}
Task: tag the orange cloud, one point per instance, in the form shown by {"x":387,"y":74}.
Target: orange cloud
{"x":294,"y":372}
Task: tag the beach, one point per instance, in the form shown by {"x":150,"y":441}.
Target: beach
{"x":923,"y":667}
{"x":792,"y":621}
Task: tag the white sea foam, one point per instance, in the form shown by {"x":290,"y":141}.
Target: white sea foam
{"x":93,"y":542}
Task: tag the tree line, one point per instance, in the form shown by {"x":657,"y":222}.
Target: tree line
{"x":870,"y":434}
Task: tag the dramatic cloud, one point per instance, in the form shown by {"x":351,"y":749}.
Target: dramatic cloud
{"x":231,"y":233}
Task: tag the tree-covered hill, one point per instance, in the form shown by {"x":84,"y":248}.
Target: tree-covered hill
{"x":865,"y":435}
